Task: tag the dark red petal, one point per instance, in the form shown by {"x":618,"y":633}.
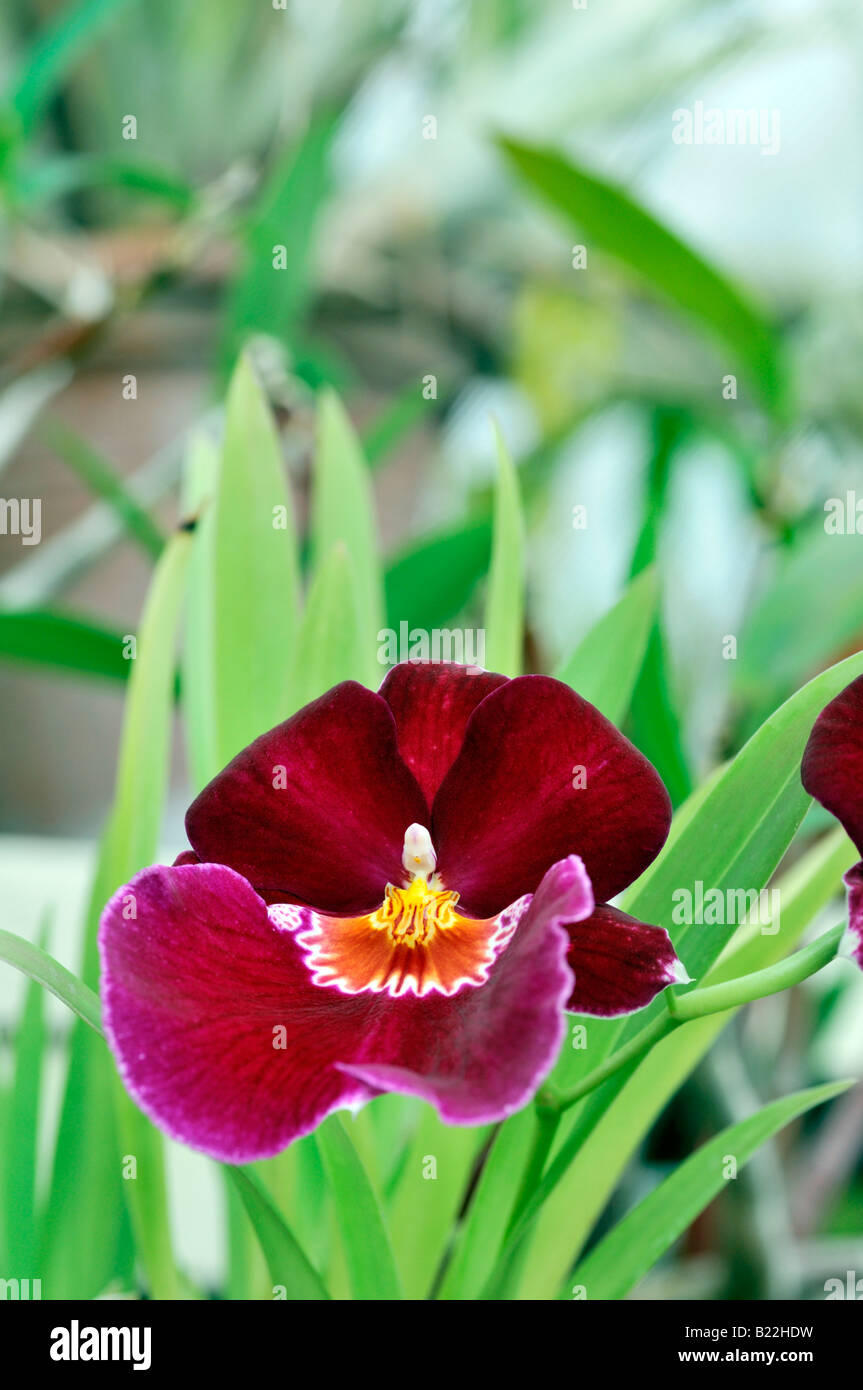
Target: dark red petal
{"x":833,"y":760}
{"x":330,"y":832}
{"x":431,"y":703}
{"x":193,"y":986}
{"x":619,"y":963}
{"x":509,"y":807}
{"x":479,"y":1055}
{"x":852,"y":942}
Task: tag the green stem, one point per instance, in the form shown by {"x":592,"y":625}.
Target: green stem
{"x":548,"y":1117}
{"x":699,"y":1003}
{"x":716,"y":999}
{"x":635,"y":1049}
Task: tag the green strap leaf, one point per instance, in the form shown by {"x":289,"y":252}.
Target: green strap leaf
{"x":200,"y":477}
{"x":605,"y":665}
{"x":35,"y":962}
{"x":505,"y":601}
{"x":287,"y":1262}
{"x":266,"y":297}
{"x":255,"y":576}
{"x":431,"y":582}
{"x":54,"y":52}
{"x":366,"y":1243}
{"x":20,"y":1133}
{"x":625,"y":230}
{"x":478,"y":1242}
{"x":343,"y":513}
{"x":48,"y":637}
{"x":617,"y":1264}
{"x":103,"y":481}
{"x":328,"y":646}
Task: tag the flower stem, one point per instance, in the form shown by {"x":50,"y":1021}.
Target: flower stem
{"x":699,"y":1003}
{"x":548,"y":1114}
{"x":715,"y":999}
{"x":632,"y":1052}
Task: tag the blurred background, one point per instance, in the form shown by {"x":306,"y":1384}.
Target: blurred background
{"x":153,"y":155}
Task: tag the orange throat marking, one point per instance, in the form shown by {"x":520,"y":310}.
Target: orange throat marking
{"x":415,"y":943}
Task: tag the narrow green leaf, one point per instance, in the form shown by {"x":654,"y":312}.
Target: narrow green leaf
{"x":142,"y":771}
{"x":742,"y":828}
{"x":394,"y":423}
{"x":343,"y":512}
{"x":35,"y":962}
{"x":625,"y":230}
{"x":625,"y":1255}
{"x":200,"y":476}
{"x":48,"y":637}
{"x":605,"y":665}
{"x":86,"y":1239}
{"x":57,"y":178}
{"x":478,"y":1241}
{"x":267,"y":296}
{"x":288,"y":1265}
{"x":366,"y":1243}
{"x":328,"y":646}
{"x":255,"y":589}
{"x":103,"y":481}
{"x":426,"y":1200}
{"x":20,"y":1134}
{"x":430,"y":582}
{"x":56,"y":49}
{"x":790,"y":631}
{"x":505,"y":600}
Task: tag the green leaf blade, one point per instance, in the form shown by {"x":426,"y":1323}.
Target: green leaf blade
{"x":289,"y":1266}
{"x":255,"y":584}
{"x":633,"y":236}
{"x":621,"y":1259}
{"x":366,"y":1243}
{"x":505,"y":600}
{"x":604,"y":666}
{"x":343,"y":515}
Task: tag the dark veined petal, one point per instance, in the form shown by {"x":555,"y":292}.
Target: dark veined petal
{"x":541,"y":775}
{"x":316,"y":810}
{"x":833,"y":760}
{"x":619,"y":963}
{"x":218,"y":1033}
{"x":431,"y":703}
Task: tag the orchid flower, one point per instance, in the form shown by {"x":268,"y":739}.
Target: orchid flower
{"x":400,"y":890}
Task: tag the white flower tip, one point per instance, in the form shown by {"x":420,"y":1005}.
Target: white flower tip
{"x":679,"y":973}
